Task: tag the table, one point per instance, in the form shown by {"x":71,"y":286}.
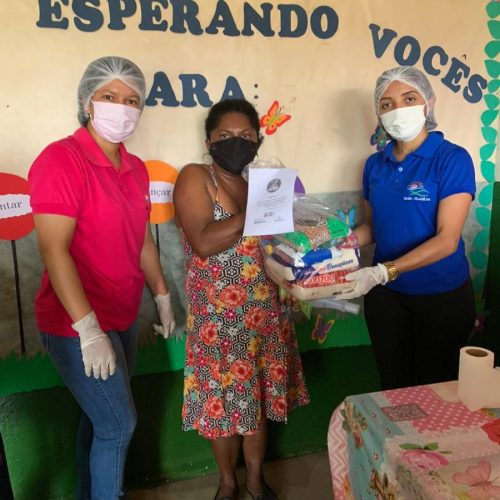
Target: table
{"x":414,"y":443}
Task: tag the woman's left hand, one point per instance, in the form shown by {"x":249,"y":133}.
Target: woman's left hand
{"x":288,"y":299}
{"x":366,"y":278}
{"x":284,"y":295}
{"x":274,"y":277}
{"x":166,"y":316}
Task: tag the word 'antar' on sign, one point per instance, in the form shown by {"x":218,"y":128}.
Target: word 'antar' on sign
{"x":14,"y":205}
{"x":10,"y":206}
{"x":183,"y":16}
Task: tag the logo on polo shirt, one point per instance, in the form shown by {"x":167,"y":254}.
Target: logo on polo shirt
{"x":417,"y":192}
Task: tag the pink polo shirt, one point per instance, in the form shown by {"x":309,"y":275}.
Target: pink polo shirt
{"x":73,"y":177}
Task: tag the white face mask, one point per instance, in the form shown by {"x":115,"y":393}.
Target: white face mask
{"x":114,"y":122}
{"x":404,"y":124}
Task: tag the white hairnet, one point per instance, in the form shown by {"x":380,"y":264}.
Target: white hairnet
{"x":416,"y":79}
{"x":102,"y":71}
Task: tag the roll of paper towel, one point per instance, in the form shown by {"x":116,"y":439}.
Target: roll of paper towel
{"x":478,"y":380}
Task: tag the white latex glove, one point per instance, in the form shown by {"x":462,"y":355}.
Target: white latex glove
{"x":166,"y":315}
{"x":366,"y":278}
{"x":97,"y":352}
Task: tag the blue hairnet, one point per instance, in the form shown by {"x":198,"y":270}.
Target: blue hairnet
{"x":416,"y":79}
{"x":102,"y":71}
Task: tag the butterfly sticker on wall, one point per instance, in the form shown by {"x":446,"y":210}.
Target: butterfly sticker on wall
{"x":348,"y":217}
{"x":321,"y":329}
{"x":379,"y":138}
{"x":273,"y":119}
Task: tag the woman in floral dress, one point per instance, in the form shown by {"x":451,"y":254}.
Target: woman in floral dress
{"x":242,"y":361}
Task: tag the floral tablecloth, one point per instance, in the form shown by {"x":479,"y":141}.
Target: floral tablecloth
{"x":414,"y":443}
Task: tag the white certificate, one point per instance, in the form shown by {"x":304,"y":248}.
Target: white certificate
{"x":270,"y":201}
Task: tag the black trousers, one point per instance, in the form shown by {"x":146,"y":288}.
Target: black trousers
{"x":417,"y":338}
{"x":5,"y":487}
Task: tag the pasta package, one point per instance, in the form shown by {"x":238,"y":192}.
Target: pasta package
{"x":347,"y":259}
{"x":315,"y":285}
{"x":320,"y":292}
{"x":317,"y":274}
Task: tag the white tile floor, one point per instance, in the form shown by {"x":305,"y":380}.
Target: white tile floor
{"x":301,"y":478}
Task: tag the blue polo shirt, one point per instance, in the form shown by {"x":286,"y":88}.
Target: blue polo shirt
{"x":404,"y":197}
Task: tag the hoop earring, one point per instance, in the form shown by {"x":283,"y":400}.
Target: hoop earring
{"x":207,"y":158}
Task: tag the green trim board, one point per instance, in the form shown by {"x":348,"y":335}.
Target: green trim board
{"x":22,"y":375}
{"x":479,"y":256}
{"x":29,"y":374}
{"x":39,"y":428}
{"x":493,"y":278}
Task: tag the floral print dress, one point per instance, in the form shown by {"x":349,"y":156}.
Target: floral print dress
{"x":242,"y":360}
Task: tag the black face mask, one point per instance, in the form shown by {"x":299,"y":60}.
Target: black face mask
{"x":233,"y":154}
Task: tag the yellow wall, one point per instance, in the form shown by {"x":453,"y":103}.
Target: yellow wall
{"x":325,"y":84}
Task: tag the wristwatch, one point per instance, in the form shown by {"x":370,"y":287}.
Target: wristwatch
{"x":392,"y":270}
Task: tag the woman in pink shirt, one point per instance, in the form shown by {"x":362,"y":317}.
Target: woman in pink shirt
{"x":90,"y":199}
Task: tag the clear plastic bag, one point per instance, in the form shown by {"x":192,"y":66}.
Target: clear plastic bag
{"x":273,"y":162}
{"x":308,"y":210}
{"x":312,"y":261}
{"x":315,"y":226}
{"x":316,"y":274}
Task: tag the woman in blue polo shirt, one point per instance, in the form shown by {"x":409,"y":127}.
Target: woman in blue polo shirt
{"x":417,"y":193}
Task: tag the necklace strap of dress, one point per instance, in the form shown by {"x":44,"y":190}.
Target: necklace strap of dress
{"x":214,"y":180}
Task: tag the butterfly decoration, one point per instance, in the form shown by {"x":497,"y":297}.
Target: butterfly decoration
{"x":273,"y":118}
{"x":477,"y":477}
{"x":348,"y":217}
{"x":379,"y":138}
{"x":321,"y":329}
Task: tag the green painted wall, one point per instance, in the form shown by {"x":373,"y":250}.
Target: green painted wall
{"x":19,"y":374}
{"x":39,"y":428}
{"x":493,"y":278}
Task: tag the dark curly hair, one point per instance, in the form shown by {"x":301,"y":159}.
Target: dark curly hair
{"x":218,"y":110}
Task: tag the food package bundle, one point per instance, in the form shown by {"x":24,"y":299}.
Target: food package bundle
{"x":313,"y":260}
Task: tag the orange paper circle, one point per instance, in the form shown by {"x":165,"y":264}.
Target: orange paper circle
{"x":166,"y":175}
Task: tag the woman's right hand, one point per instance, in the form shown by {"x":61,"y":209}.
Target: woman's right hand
{"x":97,"y":352}
{"x":285,"y":295}
{"x":55,"y":234}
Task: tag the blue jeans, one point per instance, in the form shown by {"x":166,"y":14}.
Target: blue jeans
{"x":109,"y":417}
